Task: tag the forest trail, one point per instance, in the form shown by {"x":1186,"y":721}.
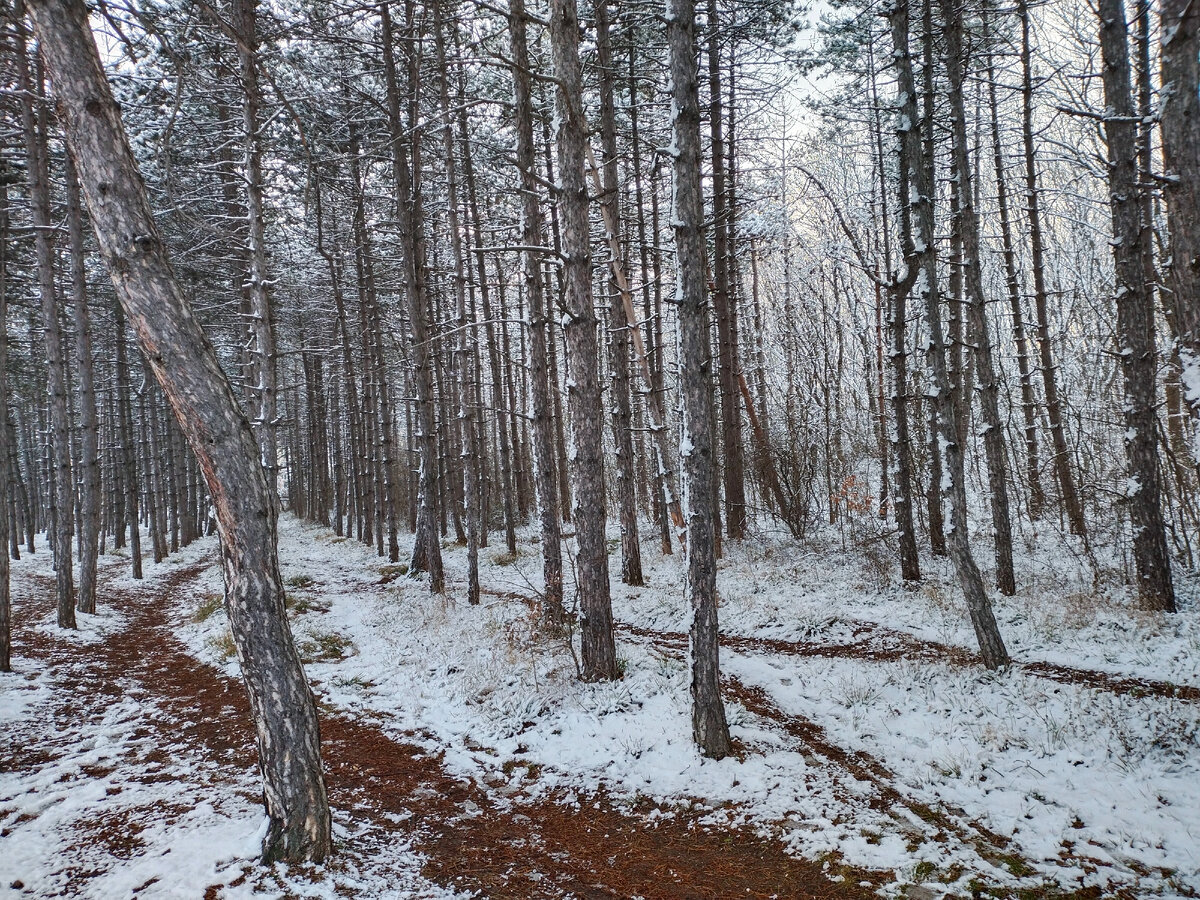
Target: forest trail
{"x":474,"y":838}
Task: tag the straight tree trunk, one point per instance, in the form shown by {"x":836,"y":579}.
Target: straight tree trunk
{"x":1135,"y":314}
{"x":1037,"y":259}
{"x":724,"y":300}
{"x":579,"y":324}
{"x":1179,"y":32}
{"x":185,"y":364}
{"x":6,"y":525}
{"x":619,"y":327}
{"x":89,"y":462}
{"x":709,"y":727}
{"x":244,"y":15}
{"x":934,"y":504}
{"x":533,"y":238}
{"x":62,"y":489}
{"x":1033,"y":473}
{"x":427,"y":549}
{"x":466,"y":420}
{"x":129,"y":476}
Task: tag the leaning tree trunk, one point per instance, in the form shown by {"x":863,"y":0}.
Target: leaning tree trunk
{"x":579,"y":325}
{"x":186,"y":366}
{"x":1180,"y":113}
{"x":62,"y":490}
{"x":979,"y":333}
{"x":709,"y":728}
{"x":1135,"y":314}
{"x":533,"y":237}
{"x":918,"y":259}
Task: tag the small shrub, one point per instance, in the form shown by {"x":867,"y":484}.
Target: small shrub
{"x":506,"y":558}
{"x":391,"y":572}
{"x":319,"y":646}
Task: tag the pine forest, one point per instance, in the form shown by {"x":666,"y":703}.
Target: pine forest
{"x":590,"y":449}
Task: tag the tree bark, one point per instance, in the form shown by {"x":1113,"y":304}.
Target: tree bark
{"x":1037,"y":259}
{"x":427,"y":549}
{"x":579,"y":325}
{"x":918,"y":258}
{"x":6,"y":526}
{"x":1135,"y":314}
{"x":1180,"y":115}
{"x":709,"y":727}
{"x":619,"y":326}
{"x":244,"y":16}
{"x":466,"y":420}
{"x":185,"y":365}
{"x":724,"y":299}
{"x":89,"y":461}
{"x":1033,"y":474}
{"x":62,"y":489}
{"x":533,"y":238}
{"x":978,"y":330}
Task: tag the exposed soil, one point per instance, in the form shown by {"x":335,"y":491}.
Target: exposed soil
{"x":475,"y":837}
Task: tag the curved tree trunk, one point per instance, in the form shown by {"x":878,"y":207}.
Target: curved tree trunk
{"x":185,"y":365}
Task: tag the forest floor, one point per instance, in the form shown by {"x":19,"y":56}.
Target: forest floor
{"x":464,"y":758}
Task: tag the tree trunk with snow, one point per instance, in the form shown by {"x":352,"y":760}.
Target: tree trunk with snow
{"x":579,"y":325}
{"x":533,"y":237}
{"x":919,"y":259}
{"x":709,"y":728}
{"x":427,"y":548}
{"x":1135,"y":314}
{"x":5,"y":470}
{"x":62,"y":489}
{"x":978,"y":328}
{"x":185,"y":365}
{"x":1180,"y":43}
{"x":1037,"y":261}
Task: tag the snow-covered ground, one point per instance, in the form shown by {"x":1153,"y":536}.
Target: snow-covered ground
{"x":937,"y":772}
{"x":100,"y":800}
{"x":1080,"y":784}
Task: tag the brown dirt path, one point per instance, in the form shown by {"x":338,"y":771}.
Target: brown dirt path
{"x":882,"y":644}
{"x":475,"y":838}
